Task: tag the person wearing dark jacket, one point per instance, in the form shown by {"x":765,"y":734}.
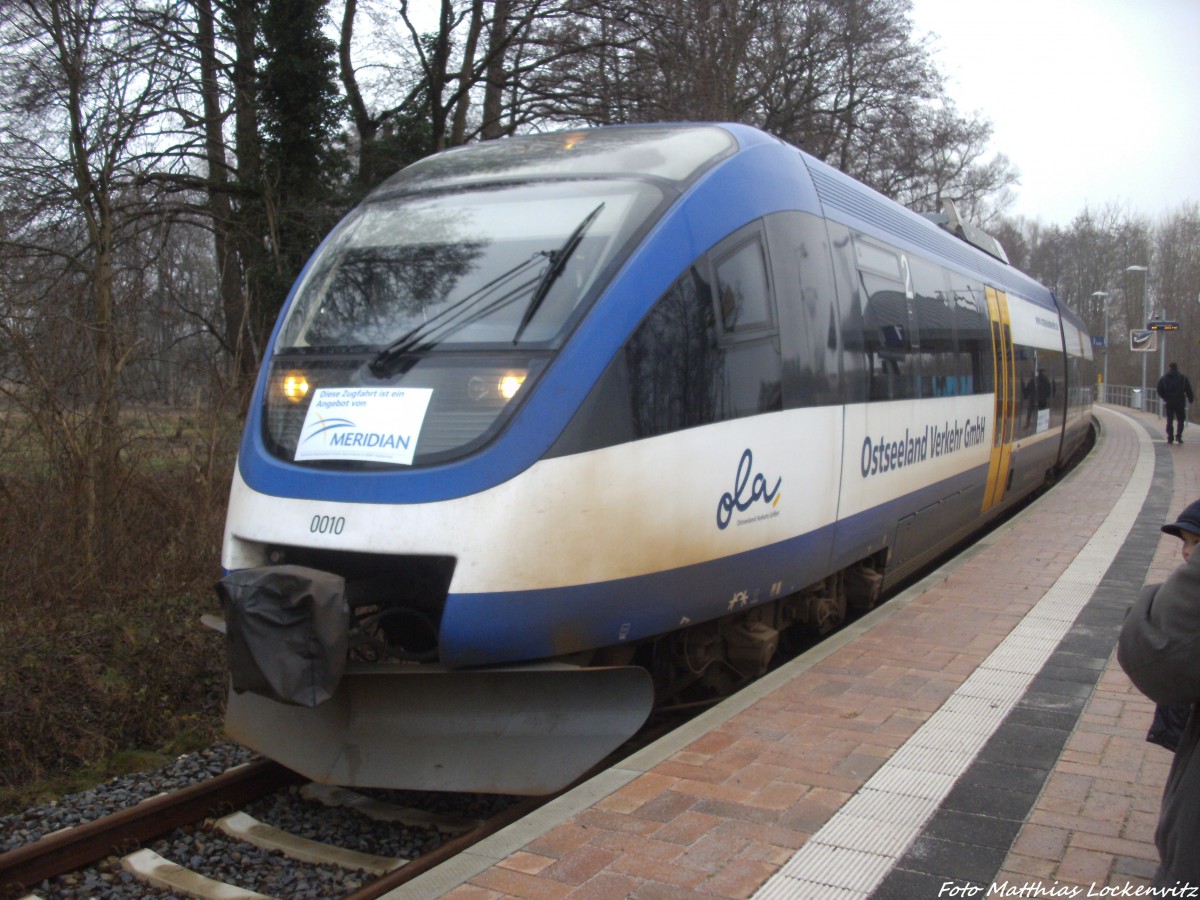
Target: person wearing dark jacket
{"x":1176,"y":392}
{"x":1159,"y":649}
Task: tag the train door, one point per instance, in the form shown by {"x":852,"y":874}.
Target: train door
{"x":1005,"y":415}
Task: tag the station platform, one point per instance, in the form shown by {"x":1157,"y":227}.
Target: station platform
{"x":971,"y":737}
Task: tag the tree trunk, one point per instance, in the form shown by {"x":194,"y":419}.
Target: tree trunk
{"x":233,"y":298}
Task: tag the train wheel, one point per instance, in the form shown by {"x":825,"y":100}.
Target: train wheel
{"x":826,"y":612}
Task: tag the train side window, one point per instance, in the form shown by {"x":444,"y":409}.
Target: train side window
{"x":1047,"y":394}
{"x":674,"y":363}
{"x":753,"y":370}
{"x":806,"y":304}
{"x":888,"y":334}
{"x":1026,"y":361}
{"x":709,"y":349}
{"x":743,"y":288}
{"x":1082,"y":378}
{"x":973,"y":332}
{"x":855,"y":368}
{"x":1039,"y":377}
{"x":935,"y":330}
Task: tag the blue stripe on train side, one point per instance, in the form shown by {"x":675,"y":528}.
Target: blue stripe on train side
{"x":490,"y":628}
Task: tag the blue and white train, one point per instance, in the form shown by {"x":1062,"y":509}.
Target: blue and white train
{"x":552,"y":423}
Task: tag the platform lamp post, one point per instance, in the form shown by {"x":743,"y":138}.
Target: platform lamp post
{"x":1103,"y":295}
{"x":1145,"y":270}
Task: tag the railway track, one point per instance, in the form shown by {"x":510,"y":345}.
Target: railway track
{"x":73,"y":848}
{"x":222,"y":825}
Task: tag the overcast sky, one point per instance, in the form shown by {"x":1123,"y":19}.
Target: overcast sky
{"x":1094,"y":101}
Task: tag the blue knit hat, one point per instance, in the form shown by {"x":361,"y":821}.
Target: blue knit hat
{"x":1189,"y":521}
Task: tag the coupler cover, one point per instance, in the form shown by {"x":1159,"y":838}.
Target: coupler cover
{"x":287,"y":632}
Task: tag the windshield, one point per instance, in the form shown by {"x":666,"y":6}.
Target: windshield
{"x":463,"y":268}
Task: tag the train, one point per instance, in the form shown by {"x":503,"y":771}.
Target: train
{"x":559,"y":429}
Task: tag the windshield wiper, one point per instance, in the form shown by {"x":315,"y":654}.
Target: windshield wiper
{"x":453,"y":317}
{"x":558,"y":262}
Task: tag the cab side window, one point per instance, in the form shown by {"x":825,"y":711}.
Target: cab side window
{"x":753,"y":370}
{"x":709,"y":349}
{"x":743,"y":289}
{"x":675,"y":366}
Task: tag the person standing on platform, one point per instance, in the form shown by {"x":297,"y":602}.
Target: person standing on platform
{"x":1159,"y":649}
{"x":1176,"y":392}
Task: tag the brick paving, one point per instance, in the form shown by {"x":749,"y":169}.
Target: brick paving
{"x":718,"y":817}
{"x":1094,"y":824}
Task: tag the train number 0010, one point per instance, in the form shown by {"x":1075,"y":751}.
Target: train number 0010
{"x":327,"y":524}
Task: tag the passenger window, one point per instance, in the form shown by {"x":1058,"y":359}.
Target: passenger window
{"x":887,"y":322}
{"x":880,"y":260}
{"x":743,"y":291}
{"x":1038,"y":382}
{"x":1025,"y":360}
{"x":935,"y":330}
{"x":973,"y":332}
{"x":856,"y":367}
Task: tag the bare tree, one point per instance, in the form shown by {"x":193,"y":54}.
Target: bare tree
{"x":1176,"y":279}
{"x":1085,"y":265}
{"x":936,"y":154}
{"x":83,"y":121}
{"x":847,"y":80}
{"x":468,"y":74}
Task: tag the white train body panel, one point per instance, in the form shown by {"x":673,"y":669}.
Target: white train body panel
{"x":620,"y":512}
{"x":903,"y":447}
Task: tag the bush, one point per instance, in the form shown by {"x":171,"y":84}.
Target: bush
{"x":93,"y":666}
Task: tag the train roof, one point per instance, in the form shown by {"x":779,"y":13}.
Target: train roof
{"x":674,"y":153}
{"x":681,"y":153}
{"x":859,"y":206}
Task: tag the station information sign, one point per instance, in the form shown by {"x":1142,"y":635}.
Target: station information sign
{"x":1143,"y":341}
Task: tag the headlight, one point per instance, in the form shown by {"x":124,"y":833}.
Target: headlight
{"x":510,"y":384}
{"x":471,"y":395}
{"x":481,"y":388}
{"x":291,"y":387}
{"x":295,"y":386}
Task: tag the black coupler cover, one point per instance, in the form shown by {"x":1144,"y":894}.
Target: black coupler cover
{"x":287,"y":632}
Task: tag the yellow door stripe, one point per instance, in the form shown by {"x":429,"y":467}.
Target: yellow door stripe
{"x":1004,"y":421}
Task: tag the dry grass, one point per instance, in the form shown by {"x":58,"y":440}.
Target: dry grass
{"x":92,"y":668}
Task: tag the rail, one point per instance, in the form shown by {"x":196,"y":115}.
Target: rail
{"x":71,"y":848}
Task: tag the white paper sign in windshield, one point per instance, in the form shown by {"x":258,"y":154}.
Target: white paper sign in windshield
{"x":365,"y":424}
